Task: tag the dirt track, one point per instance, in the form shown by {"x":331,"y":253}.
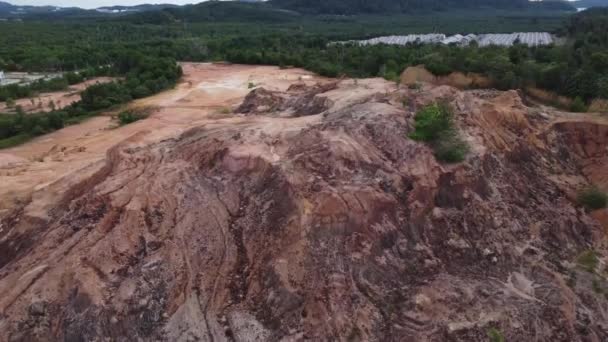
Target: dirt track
{"x":207,"y":91}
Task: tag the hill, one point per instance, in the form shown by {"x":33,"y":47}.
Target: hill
{"x":8,"y":10}
{"x":216,"y":11}
{"x":274,"y":10}
{"x":136,"y":8}
{"x":284,"y":10}
{"x":405,"y":6}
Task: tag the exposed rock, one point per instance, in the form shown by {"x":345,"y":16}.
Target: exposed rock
{"x":325,"y":227}
{"x":299,"y":100}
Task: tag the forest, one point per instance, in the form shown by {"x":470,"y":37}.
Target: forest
{"x":144,"y":55}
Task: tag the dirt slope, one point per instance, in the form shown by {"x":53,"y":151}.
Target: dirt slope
{"x":311,"y":216}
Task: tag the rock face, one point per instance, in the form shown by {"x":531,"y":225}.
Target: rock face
{"x":298,"y":100}
{"x":333,"y":226}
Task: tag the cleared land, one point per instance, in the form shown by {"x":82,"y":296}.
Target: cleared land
{"x":58,"y":99}
{"x":206,"y":91}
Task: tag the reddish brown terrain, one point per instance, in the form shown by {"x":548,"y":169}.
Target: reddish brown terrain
{"x":301,"y":210}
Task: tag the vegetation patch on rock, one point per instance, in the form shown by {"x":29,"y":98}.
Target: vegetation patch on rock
{"x":588,"y":260}
{"x":434,"y":124}
{"x":592,"y":198}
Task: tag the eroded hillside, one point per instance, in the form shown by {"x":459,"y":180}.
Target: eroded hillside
{"x":306,"y":213}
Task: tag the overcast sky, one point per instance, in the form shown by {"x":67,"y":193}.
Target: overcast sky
{"x":96,"y":3}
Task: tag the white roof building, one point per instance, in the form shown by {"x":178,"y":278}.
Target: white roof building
{"x":500,"y":39}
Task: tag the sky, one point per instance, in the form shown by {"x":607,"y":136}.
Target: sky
{"x":96,"y":3}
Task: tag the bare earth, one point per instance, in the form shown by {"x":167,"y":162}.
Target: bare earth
{"x":206,"y":91}
{"x":301,"y":211}
{"x":61,"y":99}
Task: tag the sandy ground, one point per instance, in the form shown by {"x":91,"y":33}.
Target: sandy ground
{"x":61,"y":99}
{"x":207,"y":93}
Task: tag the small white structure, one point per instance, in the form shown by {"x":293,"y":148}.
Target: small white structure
{"x":455,"y":39}
{"x":1,"y":76}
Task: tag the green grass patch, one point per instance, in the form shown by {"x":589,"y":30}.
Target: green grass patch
{"x":495,"y":335}
{"x":592,"y":198}
{"x":588,"y":260}
{"x":434,"y":125}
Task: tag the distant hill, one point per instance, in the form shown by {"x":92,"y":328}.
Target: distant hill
{"x":136,"y":8}
{"x":405,"y":6}
{"x":217,"y":11}
{"x":590,"y":3}
{"x":10,"y":11}
{"x":273,"y":10}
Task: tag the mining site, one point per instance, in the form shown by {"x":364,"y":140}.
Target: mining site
{"x":267,"y":204}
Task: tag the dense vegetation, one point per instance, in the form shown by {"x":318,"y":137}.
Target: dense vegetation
{"x":576,"y":69}
{"x":143,"y":55}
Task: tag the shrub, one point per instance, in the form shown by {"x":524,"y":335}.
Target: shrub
{"x":451,"y":149}
{"x":431,"y":122}
{"x":73,"y":78}
{"x":251,"y":85}
{"x":434,"y":125}
{"x":495,"y":335}
{"x":588,"y":260}
{"x":578,"y":105}
{"x":131,"y":115}
{"x":592,"y":198}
